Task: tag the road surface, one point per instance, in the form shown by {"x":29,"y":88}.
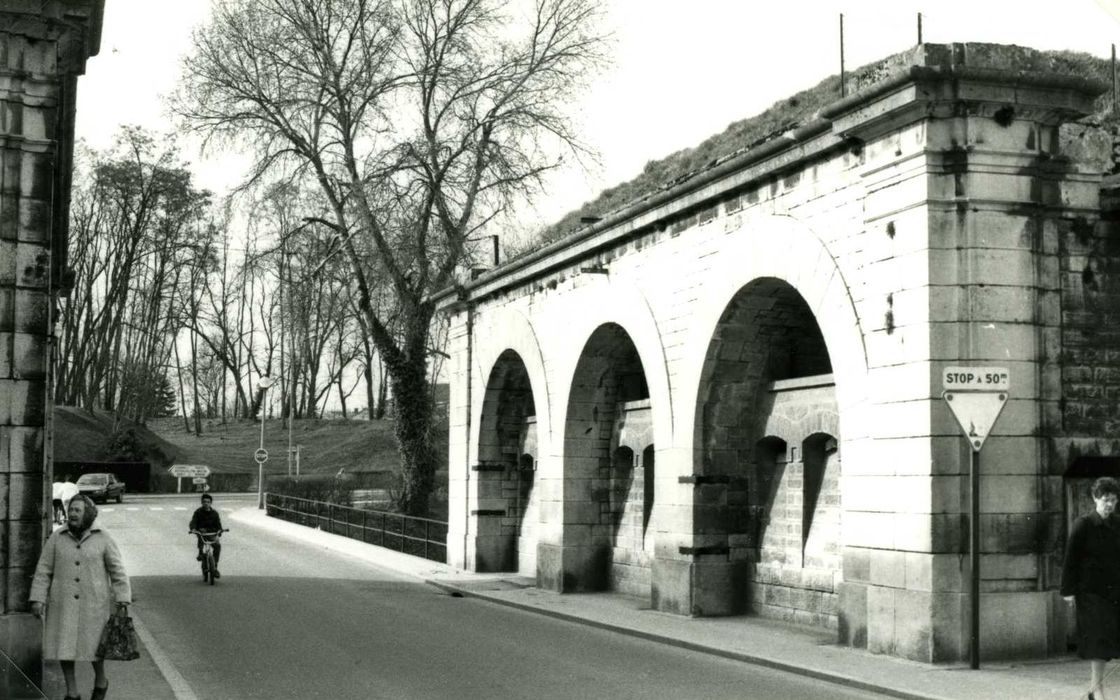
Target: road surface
{"x":290,"y":620}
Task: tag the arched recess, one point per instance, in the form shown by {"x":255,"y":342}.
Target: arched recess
{"x":777,"y":344}
{"x":510,"y":330}
{"x":785,"y":249}
{"x":611,"y":302}
{"x":506,"y":468}
{"x":820,"y":530}
{"x":608,"y":422}
{"x":765,"y":349}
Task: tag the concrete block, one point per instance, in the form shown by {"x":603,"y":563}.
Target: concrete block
{"x":886,"y":493}
{"x":913,"y":636}
{"x":719,"y":588}
{"x":550,"y":567}
{"x":918,"y":571}
{"x":1008,"y":494}
{"x":24,"y":544}
{"x":1014,"y":625}
{"x":888,"y":568}
{"x":949,"y":626}
{"x":1009,"y":566}
{"x":947,"y":572}
{"x":21,"y":637}
{"x":881,"y":619}
{"x":914,"y":531}
{"x":869,"y":530}
{"x":25,"y":496}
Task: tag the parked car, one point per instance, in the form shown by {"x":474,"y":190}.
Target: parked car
{"x":101,"y":487}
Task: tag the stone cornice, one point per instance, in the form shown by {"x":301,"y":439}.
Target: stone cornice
{"x":75,"y":23}
{"x":932,"y":80}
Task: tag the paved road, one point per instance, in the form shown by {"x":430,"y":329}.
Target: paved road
{"x":289,"y":620}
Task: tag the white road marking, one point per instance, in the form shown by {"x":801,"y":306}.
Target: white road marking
{"x":155,"y":507}
{"x":179,"y":685}
{"x":107,"y":510}
{"x":132,"y":508}
{"x":181,"y":508}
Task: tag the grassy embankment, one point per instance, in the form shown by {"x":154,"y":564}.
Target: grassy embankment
{"x":357,"y":447}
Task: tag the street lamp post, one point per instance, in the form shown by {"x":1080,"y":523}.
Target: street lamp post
{"x":261,"y":456}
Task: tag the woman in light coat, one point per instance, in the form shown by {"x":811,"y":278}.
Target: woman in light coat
{"x":79,"y":578}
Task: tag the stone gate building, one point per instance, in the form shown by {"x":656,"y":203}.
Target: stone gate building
{"x":725,"y":397}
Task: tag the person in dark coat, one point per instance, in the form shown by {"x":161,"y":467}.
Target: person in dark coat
{"x":206,"y":519}
{"x":1091,"y":580}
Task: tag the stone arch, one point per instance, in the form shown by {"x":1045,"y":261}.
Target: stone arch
{"x":608,"y":422}
{"x":780,"y":330}
{"x":510,"y":330}
{"x":507,"y":450}
{"x":783,"y":249}
{"x":608,"y":302}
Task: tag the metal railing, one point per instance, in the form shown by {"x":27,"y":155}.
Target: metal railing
{"x":421,"y":537}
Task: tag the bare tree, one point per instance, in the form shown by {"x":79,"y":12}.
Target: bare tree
{"x":135,"y":213}
{"x":419,"y":120}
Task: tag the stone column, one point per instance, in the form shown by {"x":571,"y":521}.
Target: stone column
{"x":966,"y":185}
{"x":460,"y":551}
{"x":43,"y":48}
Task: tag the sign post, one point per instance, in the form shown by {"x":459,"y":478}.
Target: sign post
{"x":189,"y":471}
{"x":976,"y":396}
{"x":260,"y":456}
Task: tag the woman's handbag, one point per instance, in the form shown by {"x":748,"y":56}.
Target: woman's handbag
{"x":118,"y":639}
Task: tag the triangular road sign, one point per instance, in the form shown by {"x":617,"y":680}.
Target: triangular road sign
{"x":976,"y":411}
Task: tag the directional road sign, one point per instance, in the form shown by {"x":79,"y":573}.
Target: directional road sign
{"x":190,"y":471}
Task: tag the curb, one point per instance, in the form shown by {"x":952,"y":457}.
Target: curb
{"x":836,"y":678}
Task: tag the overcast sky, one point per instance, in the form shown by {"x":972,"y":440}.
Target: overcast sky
{"x":682,"y":69}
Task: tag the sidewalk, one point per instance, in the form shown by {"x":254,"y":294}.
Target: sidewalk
{"x":803,"y":651}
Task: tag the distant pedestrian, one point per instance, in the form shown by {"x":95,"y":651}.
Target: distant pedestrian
{"x":80,"y":581}
{"x":67,"y":490}
{"x":56,"y":503}
{"x":1091,"y":580}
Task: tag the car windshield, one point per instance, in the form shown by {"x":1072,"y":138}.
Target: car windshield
{"x":95,"y":479}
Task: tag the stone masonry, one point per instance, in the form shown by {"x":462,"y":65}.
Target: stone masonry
{"x":771,"y":333}
{"x":43,"y":48}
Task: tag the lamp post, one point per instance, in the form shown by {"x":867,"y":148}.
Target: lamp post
{"x":261,"y":456}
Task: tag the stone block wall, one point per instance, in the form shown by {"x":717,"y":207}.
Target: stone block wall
{"x":43,"y":48}
{"x":917,"y":226}
{"x":797,"y":564}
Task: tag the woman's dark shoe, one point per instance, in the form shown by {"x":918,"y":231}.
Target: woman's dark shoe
{"x":99,"y":693}
{"x":72,"y":697}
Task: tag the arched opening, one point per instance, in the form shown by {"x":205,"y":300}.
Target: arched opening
{"x":765,"y":383}
{"x":647,"y":476}
{"x":621,"y":480}
{"x":769,"y":499}
{"x":507,"y":456}
{"x":820,"y":531}
{"x":608,"y":423}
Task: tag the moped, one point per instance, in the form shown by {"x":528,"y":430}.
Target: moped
{"x":209,"y":566}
